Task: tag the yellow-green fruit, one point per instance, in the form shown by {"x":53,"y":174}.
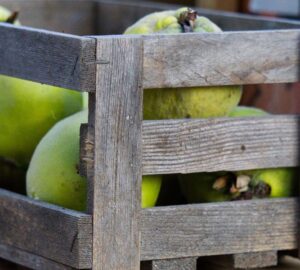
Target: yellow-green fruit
{"x":244,"y":111}
{"x":283,"y":181}
{"x":28,"y":110}
{"x":53,"y":171}
{"x":198,"y":188}
{"x":196,"y":102}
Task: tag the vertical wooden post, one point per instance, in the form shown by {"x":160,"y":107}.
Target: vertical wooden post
{"x":116,"y":185}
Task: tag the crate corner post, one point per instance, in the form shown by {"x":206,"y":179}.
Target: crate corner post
{"x":116,"y":185}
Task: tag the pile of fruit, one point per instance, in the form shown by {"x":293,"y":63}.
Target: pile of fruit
{"x":40,"y":131}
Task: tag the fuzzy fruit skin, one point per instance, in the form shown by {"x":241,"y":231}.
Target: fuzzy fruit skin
{"x":244,"y":111}
{"x":282,"y":181}
{"x":52,"y":175}
{"x":28,"y":110}
{"x":195,"y":102}
{"x":197,"y":188}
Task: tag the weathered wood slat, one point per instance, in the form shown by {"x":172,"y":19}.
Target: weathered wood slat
{"x":249,"y":260}
{"x":110,"y":9}
{"x":230,"y":58}
{"x":69,"y":61}
{"x":117,"y":167}
{"x":225,"y":263}
{"x":175,"y":264}
{"x":47,"y":57}
{"x":45,"y":230}
{"x":29,"y":260}
{"x":67,"y":16}
{"x":255,"y":260}
{"x":219,"y":229}
{"x":187,"y":146}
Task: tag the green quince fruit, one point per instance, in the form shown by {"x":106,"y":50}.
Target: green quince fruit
{"x":194,"y":102}
{"x":53,"y":171}
{"x":28,"y":110}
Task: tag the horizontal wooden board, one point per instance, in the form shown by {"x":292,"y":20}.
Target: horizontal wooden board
{"x":47,"y":57}
{"x":67,"y":16}
{"x":219,"y":229}
{"x":129,"y":12}
{"x":230,"y":58}
{"x":217,"y":144}
{"x":29,"y":260}
{"x":45,"y":230}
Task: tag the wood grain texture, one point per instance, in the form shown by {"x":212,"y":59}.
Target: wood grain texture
{"x":231,"y":58}
{"x":249,"y":260}
{"x":220,"y":263}
{"x":47,"y":57}
{"x":45,"y":230}
{"x":233,"y":144}
{"x":108,"y":10}
{"x":255,"y":260}
{"x":67,"y":16}
{"x":117,"y":167}
{"x":175,"y":264}
{"x":219,"y":228}
{"x":30,"y":260}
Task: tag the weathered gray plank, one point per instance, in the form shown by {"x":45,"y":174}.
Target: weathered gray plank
{"x":129,"y":12}
{"x":219,"y":229}
{"x":255,"y":260}
{"x":45,"y":230}
{"x":67,"y":16}
{"x":47,"y":57}
{"x":229,"y":58}
{"x":175,"y":264}
{"x":249,"y":260}
{"x":29,"y":260}
{"x":195,"y":145}
{"x":225,"y":263}
{"x":117,"y":167}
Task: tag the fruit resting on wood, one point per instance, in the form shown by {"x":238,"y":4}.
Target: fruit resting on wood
{"x":195,"y":102}
{"x":261,"y":183}
{"x":28,"y":110}
{"x":53,"y":171}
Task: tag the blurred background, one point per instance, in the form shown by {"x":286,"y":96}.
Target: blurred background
{"x":284,"y":98}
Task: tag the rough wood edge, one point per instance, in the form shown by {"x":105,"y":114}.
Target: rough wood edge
{"x":29,"y":260}
{"x":48,"y":57}
{"x":24,"y":219}
{"x":255,"y":260}
{"x":171,"y":264}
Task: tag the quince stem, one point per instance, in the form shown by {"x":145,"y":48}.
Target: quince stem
{"x":187,"y":20}
{"x":13,"y":17}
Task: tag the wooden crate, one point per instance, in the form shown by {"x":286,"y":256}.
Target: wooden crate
{"x":117,"y":147}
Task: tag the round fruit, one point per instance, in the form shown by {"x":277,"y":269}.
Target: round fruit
{"x":53,"y":171}
{"x":28,"y":110}
{"x":195,"y":102}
